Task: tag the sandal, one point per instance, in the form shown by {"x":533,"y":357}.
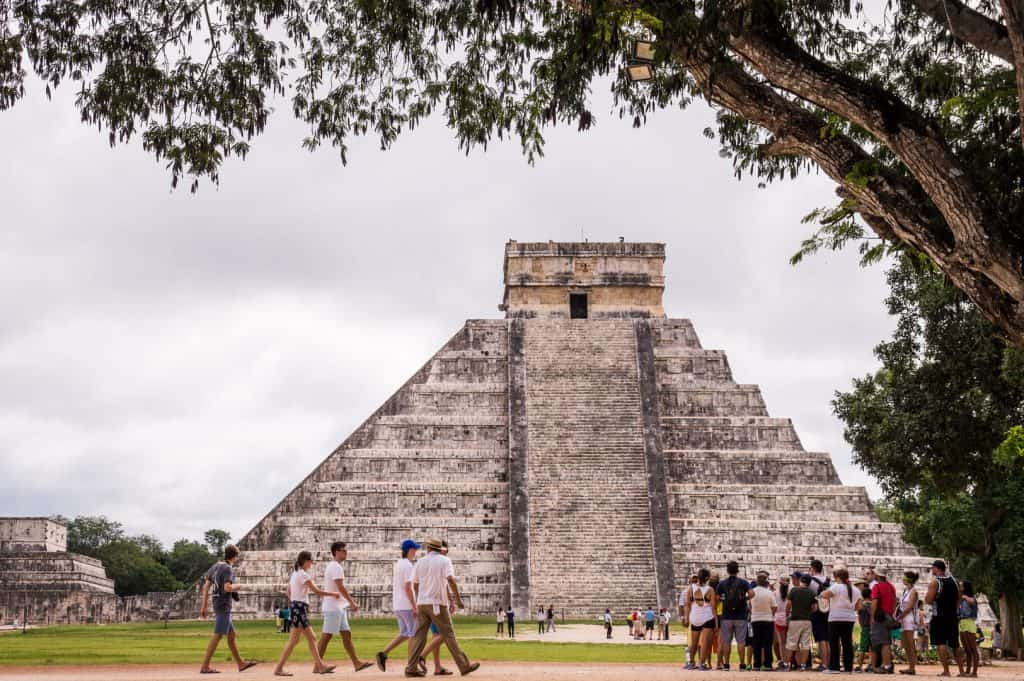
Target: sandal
{"x":365,"y":665}
{"x":442,"y":672}
{"x":248,"y":665}
{"x":209,"y":671}
{"x":283,"y":674}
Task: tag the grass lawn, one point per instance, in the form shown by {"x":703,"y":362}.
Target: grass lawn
{"x":184,"y":642}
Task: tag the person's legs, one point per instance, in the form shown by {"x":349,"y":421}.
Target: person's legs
{"x":705,"y":646}
{"x":833,"y":646}
{"x":434,"y":649}
{"x":233,"y":647}
{"x":293,"y":640}
{"x":418,"y":641}
{"x":325,"y":638}
{"x":846,"y":637}
{"x":318,"y":662}
{"x":444,"y":627}
{"x":907,"y":637}
{"x":211,"y":648}
{"x":346,"y":640}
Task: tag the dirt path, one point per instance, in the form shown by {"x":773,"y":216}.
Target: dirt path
{"x":493,"y":671}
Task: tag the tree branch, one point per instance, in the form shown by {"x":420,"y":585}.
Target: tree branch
{"x":970,"y":26}
{"x":1013,"y":13}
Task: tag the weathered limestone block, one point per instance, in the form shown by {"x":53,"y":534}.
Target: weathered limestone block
{"x":32,"y":534}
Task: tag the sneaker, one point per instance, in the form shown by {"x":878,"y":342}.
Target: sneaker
{"x":689,"y":665}
{"x":704,"y":668}
{"x":725,"y":666}
{"x":382,"y":661}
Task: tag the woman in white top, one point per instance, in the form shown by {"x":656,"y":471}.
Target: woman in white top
{"x":843,"y":602}
{"x":906,"y":613}
{"x":299,"y":586}
{"x":540,"y":620}
{"x":762,"y":621}
{"x":501,"y":621}
{"x":698,"y":610}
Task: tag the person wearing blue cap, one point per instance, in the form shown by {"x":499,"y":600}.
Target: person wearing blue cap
{"x":402,"y":600}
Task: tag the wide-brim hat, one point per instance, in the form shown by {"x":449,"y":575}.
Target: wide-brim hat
{"x":881,"y":572}
{"x":433,"y":543}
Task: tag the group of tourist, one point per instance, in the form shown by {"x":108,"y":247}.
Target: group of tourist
{"x":783,"y":618}
{"x":424,"y":596}
{"x":762,"y":618}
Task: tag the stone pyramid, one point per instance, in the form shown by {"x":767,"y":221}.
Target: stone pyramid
{"x":584,"y":452}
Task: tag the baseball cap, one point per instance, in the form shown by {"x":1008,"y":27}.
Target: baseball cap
{"x":409,"y":544}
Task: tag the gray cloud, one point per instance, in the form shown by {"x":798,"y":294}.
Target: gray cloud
{"x":179,"y":362}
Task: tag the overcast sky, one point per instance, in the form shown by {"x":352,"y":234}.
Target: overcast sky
{"x":179,"y":362}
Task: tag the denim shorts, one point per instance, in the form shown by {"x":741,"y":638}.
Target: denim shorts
{"x":336,"y":621}
{"x":222,"y":623}
{"x":406,"y":622}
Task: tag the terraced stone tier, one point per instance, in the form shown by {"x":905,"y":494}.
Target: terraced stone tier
{"x":674,"y":333}
{"x":730,"y":432}
{"x":691,"y":366}
{"x":751,"y":467}
{"x":767,"y":536}
{"x":402,"y":465}
{"x":53,"y":570}
{"x":711,"y":400}
{"x":753,"y":502}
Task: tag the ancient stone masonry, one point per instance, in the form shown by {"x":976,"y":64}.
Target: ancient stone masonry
{"x":585,"y":451}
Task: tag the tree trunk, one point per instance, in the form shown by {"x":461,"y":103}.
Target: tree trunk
{"x":1009,"y":618}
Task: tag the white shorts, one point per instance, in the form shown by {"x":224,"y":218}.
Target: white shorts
{"x":336,"y":621}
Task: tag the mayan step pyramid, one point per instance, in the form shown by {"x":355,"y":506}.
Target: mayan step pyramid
{"x":585,"y":452}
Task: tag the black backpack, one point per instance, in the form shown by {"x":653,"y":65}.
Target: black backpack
{"x":735,"y":596}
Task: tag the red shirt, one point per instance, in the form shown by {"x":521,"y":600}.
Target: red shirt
{"x":885,"y":594}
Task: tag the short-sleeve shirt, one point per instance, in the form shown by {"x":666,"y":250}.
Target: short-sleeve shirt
{"x":761,"y":605}
{"x":220,"y":575}
{"x":801,"y":601}
{"x":298,"y":587}
{"x":885,"y":594}
{"x":733,"y":613}
{"x":649,"y":616}
{"x":841,"y":605}
{"x":432,"y":573}
{"x":330,"y":603}
{"x":402,"y":574}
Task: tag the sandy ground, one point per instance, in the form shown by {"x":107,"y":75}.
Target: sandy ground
{"x":494,"y":671}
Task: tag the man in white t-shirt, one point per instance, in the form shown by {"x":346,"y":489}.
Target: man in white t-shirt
{"x":336,"y":609}
{"x":402,"y":600}
{"x":434,"y":582}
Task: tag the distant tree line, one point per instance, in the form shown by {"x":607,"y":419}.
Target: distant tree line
{"x":139,"y":564}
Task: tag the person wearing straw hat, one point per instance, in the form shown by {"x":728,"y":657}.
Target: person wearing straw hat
{"x":883,"y":610}
{"x":434,"y":584}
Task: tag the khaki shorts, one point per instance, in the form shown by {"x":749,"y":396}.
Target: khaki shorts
{"x":799,"y":635}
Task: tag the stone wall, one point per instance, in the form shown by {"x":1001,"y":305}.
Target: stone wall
{"x":32,"y":534}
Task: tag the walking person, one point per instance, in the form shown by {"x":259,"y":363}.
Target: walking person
{"x":433,"y":648}
{"x":335,"y":610}
{"x":968,"y":626}
{"x":402,"y":600}
{"x":551,"y":618}
{"x":221,"y":579}
{"x":883,"y":621}
{"x":701,"y":617}
{"x":607,"y":622}
{"x":906,"y":613}
{"x":800,"y":605}
{"x":733,"y":593}
{"x":819,"y":618}
{"x":541,"y":618}
{"x":842,"y":615}
{"x":299,"y":586}
{"x":944,"y":597}
{"x":434,"y":584}
{"x":762,"y":621}
{"x":500,"y":621}
{"x":510,"y":621}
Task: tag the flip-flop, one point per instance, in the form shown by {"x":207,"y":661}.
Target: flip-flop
{"x":209,"y":671}
{"x":443,"y":672}
{"x":365,"y":665}
{"x":248,"y":665}
{"x":283,"y":674}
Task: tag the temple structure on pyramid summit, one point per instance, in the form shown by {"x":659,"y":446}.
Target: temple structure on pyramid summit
{"x":585,"y":451}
